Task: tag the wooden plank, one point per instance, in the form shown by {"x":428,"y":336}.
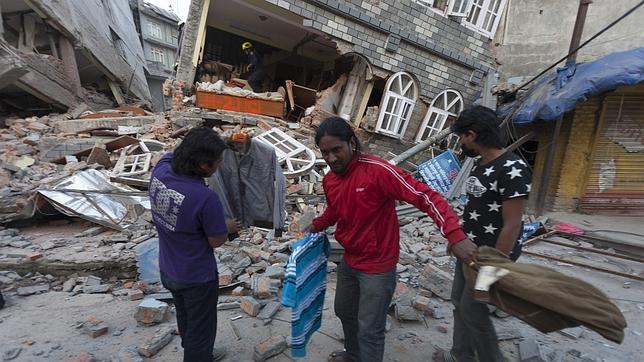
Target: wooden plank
{"x":227,"y":102}
{"x":116,"y":91}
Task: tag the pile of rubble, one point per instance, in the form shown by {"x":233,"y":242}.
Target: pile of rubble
{"x":122,"y":145}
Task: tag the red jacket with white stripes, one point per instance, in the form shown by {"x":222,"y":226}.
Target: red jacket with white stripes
{"x":362,"y":202}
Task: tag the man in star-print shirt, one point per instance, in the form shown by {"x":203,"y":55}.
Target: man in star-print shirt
{"x":497,"y":192}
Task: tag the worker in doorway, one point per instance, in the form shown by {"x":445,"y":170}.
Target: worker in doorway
{"x":190,"y":222}
{"x":361,"y":193}
{"x":255,"y":69}
{"x":497,"y":194}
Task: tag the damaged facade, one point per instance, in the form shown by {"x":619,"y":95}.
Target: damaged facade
{"x":397,"y":69}
{"x":57,"y":54}
{"x":597,"y":163}
{"x":159,"y":33}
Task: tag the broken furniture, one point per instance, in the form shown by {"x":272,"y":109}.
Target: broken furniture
{"x":294,"y":156}
{"x":212,"y":100}
{"x":299,"y":99}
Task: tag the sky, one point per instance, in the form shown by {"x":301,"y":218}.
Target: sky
{"x":179,"y":7}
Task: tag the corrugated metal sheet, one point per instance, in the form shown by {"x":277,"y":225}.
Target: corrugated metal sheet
{"x":616,"y":178}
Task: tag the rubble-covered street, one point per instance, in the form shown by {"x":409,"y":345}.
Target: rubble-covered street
{"x":75,"y":288}
{"x":93,"y":94}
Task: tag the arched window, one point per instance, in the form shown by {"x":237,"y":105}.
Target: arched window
{"x":397,"y":105}
{"x":448,"y":103}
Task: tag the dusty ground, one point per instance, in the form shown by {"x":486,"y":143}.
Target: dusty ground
{"x":45,"y":326}
{"x":49,"y":323}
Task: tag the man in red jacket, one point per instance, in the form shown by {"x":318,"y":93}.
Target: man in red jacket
{"x":361,"y":192}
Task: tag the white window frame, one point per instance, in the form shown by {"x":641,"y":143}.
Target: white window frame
{"x":459,"y":7}
{"x":484,"y":24}
{"x":430,"y":5}
{"x":158,"y":55}
{"x":155,"y":30}
{"x":439,"y":116}
{"x":393,"y":121}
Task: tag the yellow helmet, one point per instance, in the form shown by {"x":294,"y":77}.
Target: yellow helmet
{"x":246,"y":45}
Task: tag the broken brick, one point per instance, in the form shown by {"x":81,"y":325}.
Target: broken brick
{"x":135,"y":294}
{"x":161,"y":338}
{"x":225,"y":276}
{"x":269,"y":348}
{"x":83,"y":357}
{"x":421,"y":303}
{"x":269,"y":310}
{"x":250,"y":305}
{"x":238,"y":291}
{"x":95,"y":328}
{"x":34,"y":256}
{"x":150,"y":311}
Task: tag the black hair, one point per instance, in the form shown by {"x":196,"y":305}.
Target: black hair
{"x":201,"y":145}
{"x":336,"y":127}
{"x":484,"y":122}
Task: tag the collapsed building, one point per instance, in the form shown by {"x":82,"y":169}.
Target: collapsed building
{"x":57,"y":54}
{"x":398,"y":70}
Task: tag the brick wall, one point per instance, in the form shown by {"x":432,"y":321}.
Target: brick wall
{"x":395,"y":36}
{"x":402,"y":35}
{"x":52,"y":148}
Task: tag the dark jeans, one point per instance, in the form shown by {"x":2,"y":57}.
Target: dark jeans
{"x":473,"y":328}
{"x":196,"y":306}
{"x":361,"y":303}
{"x":255,"y":80}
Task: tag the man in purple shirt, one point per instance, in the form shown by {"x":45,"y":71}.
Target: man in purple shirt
{"x":189,"y":219}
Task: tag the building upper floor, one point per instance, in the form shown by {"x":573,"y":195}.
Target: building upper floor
{"x":534,"y":34}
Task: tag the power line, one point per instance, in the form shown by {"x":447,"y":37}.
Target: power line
{"x":629,"y":12}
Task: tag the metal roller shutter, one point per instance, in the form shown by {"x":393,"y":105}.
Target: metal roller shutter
{"x":616,"y":178}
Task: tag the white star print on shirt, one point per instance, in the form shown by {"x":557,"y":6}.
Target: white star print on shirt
{"x":528,"y":188}
{"x":471,"y":235}
{"x":515,"y":172}
{"x":474,"y":215}
{"x":493,"y":186}
{"x":490,"y":228}
{"x":494,"y":206}
{"x":501,"y":191}
{"x":516,"y":194}
{"x":488,"y":171}
{"x":509,"y":163}
{"x":522,"y":162}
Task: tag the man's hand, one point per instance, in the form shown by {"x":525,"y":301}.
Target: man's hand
{"x":233,"y":226}
{"x":464,"y":250}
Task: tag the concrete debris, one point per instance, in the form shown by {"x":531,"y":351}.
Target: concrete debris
{"x":95,"y":328}
{"x":437,"y":281}
{"x":269,"y":348}
{"x":11,"y":354}
{"x":25,"y":291}
{"x":250,"y":305}
{"x":150,"y":312}
{"x":530,"y":351}
{"x":161,"y":338}
{"x":269,"y":310}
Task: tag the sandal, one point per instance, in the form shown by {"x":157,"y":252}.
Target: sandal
{"x":441,"y":355}
{"x":340,"y":356}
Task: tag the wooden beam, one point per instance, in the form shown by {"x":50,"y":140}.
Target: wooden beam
{"x":363,"y":104}
{"x":116,"y":91}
